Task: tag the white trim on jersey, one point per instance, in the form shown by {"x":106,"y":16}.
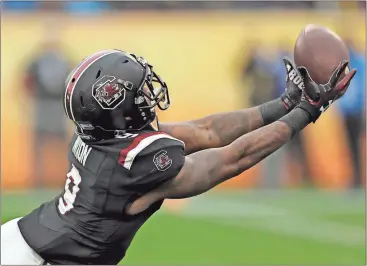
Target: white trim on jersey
{"x":142,"y":145}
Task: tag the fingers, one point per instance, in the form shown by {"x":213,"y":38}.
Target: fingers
{"x":288,"y":63}
{"x":304,"y":73}
{"x":337,"y":73}
{"x":334,"y":77}
{"x":344,"y":83}
{"x":311,"y":89}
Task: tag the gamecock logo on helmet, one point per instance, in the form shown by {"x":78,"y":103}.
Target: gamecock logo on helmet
{"x":108,"y":93}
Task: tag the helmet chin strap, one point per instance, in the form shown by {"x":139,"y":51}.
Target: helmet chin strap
{"x":155,"y":123}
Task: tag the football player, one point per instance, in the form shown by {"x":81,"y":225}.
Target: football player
{"x":121,"y":168}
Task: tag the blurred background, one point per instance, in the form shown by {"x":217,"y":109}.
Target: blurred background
{"x":292,"y":208}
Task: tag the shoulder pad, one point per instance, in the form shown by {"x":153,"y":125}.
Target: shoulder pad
{"x":145,"y":143}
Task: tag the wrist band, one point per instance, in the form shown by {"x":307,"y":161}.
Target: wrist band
{"x":272,"y":111}
{"x":313,"y":112}
{"x":297,"y":120}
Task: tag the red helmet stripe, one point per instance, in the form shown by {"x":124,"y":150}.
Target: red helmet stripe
{"x":78,"y":72}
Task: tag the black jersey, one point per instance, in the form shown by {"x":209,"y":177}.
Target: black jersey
{"x":87,"y":222}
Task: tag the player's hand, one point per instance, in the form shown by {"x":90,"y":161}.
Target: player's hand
{"x":294,"y":83}
{"x":321,"y":96}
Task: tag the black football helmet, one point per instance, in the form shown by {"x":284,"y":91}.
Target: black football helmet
{"x":113,"y":92}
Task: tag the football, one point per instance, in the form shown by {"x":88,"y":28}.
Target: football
{"x":320,"y":50}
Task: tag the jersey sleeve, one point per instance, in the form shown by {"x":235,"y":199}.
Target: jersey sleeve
{"x":154,"y":161}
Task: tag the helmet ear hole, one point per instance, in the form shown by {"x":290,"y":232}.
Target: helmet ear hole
{"x":98,"y":74}
{"x":82,"y":101}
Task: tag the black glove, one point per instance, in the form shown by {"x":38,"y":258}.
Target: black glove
{"x":317,"y":98}
{"x":294,"y":84}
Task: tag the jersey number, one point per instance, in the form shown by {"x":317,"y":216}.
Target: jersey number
{"x":66,"y":202}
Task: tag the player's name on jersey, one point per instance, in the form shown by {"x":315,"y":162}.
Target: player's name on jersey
{"x":81,"y":150}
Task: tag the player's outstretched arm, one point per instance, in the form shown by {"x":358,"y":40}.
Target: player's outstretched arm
{"x":221,"y":129}
{"x":206,"y":169}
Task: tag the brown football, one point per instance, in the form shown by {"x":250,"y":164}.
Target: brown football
{"x":320,"y":51}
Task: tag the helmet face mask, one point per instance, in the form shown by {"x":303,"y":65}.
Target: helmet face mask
{"x":118,"y":93}
{"x":153,"y":89}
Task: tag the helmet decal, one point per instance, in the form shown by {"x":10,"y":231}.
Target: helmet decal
{"x":109,"y":92}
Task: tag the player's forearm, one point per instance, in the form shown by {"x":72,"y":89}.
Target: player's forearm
{"x":253,"y":147}
{"x":257,"y":145}
{"x":221,"y":129}
{"x":228,"y":127}
{"x":250,"y":149}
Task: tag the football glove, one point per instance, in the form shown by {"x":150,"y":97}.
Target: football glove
{"x":317,"y":98}
{"x":294,"y":84}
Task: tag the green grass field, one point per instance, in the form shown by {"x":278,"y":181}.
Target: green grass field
{"x":256,"y":227}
